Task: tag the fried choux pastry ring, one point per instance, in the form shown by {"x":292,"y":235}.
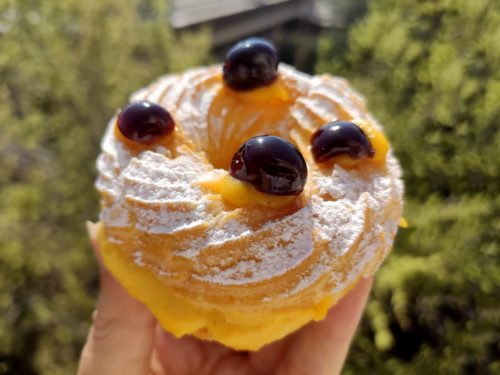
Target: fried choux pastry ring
{"x":240,"y":202}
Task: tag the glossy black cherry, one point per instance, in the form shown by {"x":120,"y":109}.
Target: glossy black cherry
{"x":271,"y":164}
{"x":251,"y":63}
{"x":340,"y":138}
{"x":145,"y":122}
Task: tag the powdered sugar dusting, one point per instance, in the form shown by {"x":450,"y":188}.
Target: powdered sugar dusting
{"x":290,"y":244}
{"x":159,"y":194}
{"x":138,"y":258}
{"x":331,"y":215}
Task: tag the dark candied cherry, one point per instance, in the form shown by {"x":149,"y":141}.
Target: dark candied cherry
{"x":340,"y":138}
{"x":145,"y":122}
{"x":271,"y":164}
{"x":251,"y":63}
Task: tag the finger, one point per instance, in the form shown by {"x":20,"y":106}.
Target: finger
{"x":322,"y":347}
{"x":185,"y":355}
{"x":121,"y":338}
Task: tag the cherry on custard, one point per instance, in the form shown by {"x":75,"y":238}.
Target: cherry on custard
{"x":145,"y":122}
{"x":271,"y":164}
{"x":251,"y":63}
{"x":340,"y":138}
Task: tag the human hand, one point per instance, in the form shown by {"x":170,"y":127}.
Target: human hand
{"x":126,"y":339}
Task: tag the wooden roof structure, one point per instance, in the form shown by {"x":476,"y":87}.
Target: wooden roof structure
{"x":233,"y":19}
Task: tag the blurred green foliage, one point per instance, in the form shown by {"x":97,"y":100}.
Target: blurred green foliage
{"x":65,"y":67}
{"x":429,"y":69}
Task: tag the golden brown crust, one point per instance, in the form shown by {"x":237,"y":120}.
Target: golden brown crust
{"x":247,"y":259}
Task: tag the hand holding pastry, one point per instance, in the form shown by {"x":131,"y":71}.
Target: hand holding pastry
{"x":126,"y":339}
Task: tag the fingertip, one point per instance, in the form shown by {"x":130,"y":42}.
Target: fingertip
{"x":344,"y":316}
{"x":92,"y":231}
{"x":330,"y":338}
{"x":356,"y":298}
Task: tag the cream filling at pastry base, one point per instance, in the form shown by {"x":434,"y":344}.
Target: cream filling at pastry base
{"x":180,"y":315}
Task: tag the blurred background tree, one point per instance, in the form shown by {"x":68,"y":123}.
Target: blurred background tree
{"x":65,"y":67}
{"x":429,"y":69}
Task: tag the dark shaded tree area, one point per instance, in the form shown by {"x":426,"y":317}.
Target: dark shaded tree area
{"x":65,"y":67}
{"x":429,"y":70}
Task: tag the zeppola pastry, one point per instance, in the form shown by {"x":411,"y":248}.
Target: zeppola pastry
{"x":242,"y":201}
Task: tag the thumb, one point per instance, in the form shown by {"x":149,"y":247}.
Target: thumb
{"x":121,"y":338}
{"x":323,"y":346}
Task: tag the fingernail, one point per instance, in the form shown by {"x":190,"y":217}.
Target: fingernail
{"x":91,"y":230}
{"x":92,"y":233}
